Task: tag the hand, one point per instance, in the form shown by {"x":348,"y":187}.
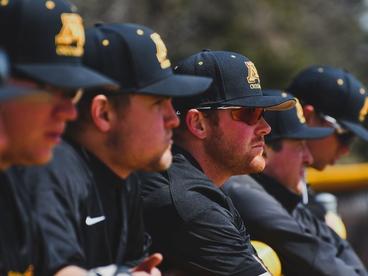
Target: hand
{"x":148,"y":266}
{"x":71,"y":270}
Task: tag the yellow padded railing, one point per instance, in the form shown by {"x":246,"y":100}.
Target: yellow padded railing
{"x":339,"y":177}
{"x":268,"y":256}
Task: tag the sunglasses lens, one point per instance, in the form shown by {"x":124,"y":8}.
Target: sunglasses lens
{"x":248,"y":115}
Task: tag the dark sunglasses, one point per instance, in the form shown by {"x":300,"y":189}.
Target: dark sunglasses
{"x":345,"y":137}
{"x":248,"y":115}
{"x":74,"y":95}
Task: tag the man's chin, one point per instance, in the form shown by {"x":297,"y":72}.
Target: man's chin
{"x":4,"y":166}
{"x":298,"y":189}
{"x":165,"y":161}
{"x":38,"y":158}
{"x":160,"y":164}
{"x":319,"y":166}
{"x":257,"y":165}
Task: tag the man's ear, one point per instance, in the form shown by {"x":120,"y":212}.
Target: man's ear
{"x":308,"y":111}
{"x":101,"y":113}
{"x":196,"y":123}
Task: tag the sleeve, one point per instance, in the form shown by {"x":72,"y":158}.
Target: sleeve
{"x":139,"y":241}
{"x":58,"y":223}
{"x":57,"y":215}
{"x":214,"y":246}
{"x":206,"y":240}
{"x":321,"y":230}
{"x":348,"y":255}
{"x":300,"y":251}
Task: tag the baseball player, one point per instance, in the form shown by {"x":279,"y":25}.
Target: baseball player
{"x":271,"y":202}
{"x":192,"y":222}
{"x":45,"y":43}
{"x":87,"y":201}
{"x":336,"y":98}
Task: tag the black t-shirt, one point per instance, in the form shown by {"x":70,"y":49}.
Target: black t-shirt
{"x":88,"y":216}
{"x":194,"y":224}
{"x":305,"y":245}
{"x":20,"y":243}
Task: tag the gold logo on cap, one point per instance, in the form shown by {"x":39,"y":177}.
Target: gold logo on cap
{"x":50,"y":5}
{"x":253,"y":77}
{"x":105,"y":42}
{"x":70,"y":40}
{"x":161,"y":51}
{"x":364,"y":110}
{"x":299,"y":112}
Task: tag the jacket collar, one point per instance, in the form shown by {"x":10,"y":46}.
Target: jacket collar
{"x":288,"y":199}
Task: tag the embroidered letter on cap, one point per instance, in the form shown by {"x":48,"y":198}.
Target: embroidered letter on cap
{"x":299,"y":112}
{"x":363,"y":112}
{"x":252,"y":78}
{"x":70,"y":40}
{"x":161,"y":51}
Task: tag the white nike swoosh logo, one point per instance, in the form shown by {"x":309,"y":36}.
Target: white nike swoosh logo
{"x":91,"y":221}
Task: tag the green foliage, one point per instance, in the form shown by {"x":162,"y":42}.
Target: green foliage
{"x":280,"y":37}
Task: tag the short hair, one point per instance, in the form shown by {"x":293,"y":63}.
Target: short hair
{"x":120,"y":102}
{"x":212,"y":116}
{"x":275,"y":145}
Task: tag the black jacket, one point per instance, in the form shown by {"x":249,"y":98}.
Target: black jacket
{"x":194,"y":224}
{"x":305,"y":245}
{"x":87,"y":215}
{"x":20,"y":240}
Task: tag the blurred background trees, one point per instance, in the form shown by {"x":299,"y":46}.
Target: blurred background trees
{"x":280,"y":37}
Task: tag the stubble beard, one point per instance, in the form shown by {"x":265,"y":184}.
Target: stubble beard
{"x":158,"y":163}
{"x":162,"y":163}
{"x":257,"y":165}
{"x":229,"y":158}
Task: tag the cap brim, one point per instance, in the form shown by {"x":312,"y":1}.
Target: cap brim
{"x":308,"y":133}
{"x":9,"y":92}
{"x":66,"y":76}
{"x":271,"y":103}
{"x":356,"y":128}
{"x":178,"y":86}
{"x":304,"y":132}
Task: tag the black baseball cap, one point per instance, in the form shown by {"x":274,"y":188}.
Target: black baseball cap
{"x":9,"y":91}
{"x":45,"y":42}
{"x":336,"y":93}
{"x":235,"y":82}
{"x":136,"y":57}
{"x":290,"y":124}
